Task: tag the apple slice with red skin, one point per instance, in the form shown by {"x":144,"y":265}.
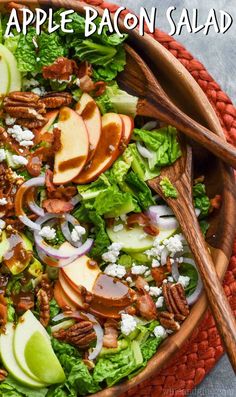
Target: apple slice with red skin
{"x":90,"y":113}
{"x":62,"y":299}
{"x":108,"y":149}
{"x":128,"y":127}
{"x":51,"y":118}
{"x":71,"y":294}
{"x":72,"y":156}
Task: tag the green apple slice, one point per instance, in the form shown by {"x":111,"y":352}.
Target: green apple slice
{"x":13,"y":72}
{"x":9,"y":361}
{"x":134,"y":239}
{"x":26,"y":327}
{"x":42,"y":360}
{"x":5,"y":78}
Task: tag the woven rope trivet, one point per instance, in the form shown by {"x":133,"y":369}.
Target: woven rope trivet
{"x":200,"y":354}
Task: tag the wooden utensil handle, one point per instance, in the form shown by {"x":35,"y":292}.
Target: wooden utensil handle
{"x":219,"y":304}
{"x":169,"y":113}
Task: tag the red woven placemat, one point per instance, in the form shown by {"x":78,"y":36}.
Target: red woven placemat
{"x":200,"y":354}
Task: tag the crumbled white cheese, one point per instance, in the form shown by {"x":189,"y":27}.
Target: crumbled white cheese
{"x":155,"y":263}
{"x":113,"y":253}
{"x":146,"y":288}
{"x":147,"y":273}
{"x":9,"y":120}
{"x":128,"y":324}
{"x":184,"y":280}
{"x":139,"y":269}
{"x":19,"y":160}
{"x":118,"y":228}
{"x":3,"y":201}
{"x":123,"y":217}
{"x":159,"y":302}
{"x":77,"y":233}
{"x":160,"y":332}
{"x":174,"y":244}
{"x":165,"y":281}
{"x":155,"y":291}
{"x":115,"y":270}
{"x":21,"y":135}
{"x":28,"y":83}
{"x":170,"y":279}
{"x":39,"y":91}
{"x":2,"y":155}
{"x":129,"y":279}
{"x":2,"y":224}
{"x":49,"y":233}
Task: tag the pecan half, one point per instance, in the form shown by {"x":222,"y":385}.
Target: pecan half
{"x":175,"y":300}
{"x":46,"y":285}
{"x":80,"y":334}
{"x":25,"y":108}
{"x":44,"y":308}
{"x":3,"y":311}
{"x":168,"y":321}
{"x":55,"y":100}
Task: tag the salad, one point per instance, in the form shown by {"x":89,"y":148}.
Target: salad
{"x":95,"y":272}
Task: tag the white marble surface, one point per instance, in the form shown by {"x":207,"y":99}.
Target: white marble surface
{"x":218,"y":53}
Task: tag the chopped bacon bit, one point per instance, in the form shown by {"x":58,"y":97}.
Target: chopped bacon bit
{"x":49,"y":181}
{"x":130,"y":310}
{"x":110,"y":222}
{"x":111,"y":334}
{"x":57,"y":206}
{"x":138,"y":219}
{"x":151,"y":229}
{"x":86,"y":84}
{"x":159,"y":274}
{"x":100,"y":88}
{"x":61,"y":69}
{"x":140,"y":284}
{"x":216,"y":202}
{"x":35,"y":162}
{"x":24,"y":303}
{"x":3,"y":310}
{"x":56,"y":140}
{"x":146,"y":307}
{"x":84,"y":69}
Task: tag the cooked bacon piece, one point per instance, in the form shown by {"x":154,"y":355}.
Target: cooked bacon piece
{"x":146,"y":307}
{"x":151,"y":229}
{"x":24,"y":302}
{"x":49,"y":181}
{"x":86,"y":84}
{"x":159,"y":274}
{"x":61,"y":69}
{"x":216,"y":202}
{"x":138,"y":219}
{"x":35,"y":162}
{"x":111,"y":334}
{"x":3,"y":310}
{"x":84,"y":69}
{"x":57,"y":206}
{"x":63,"y":193}
{"x":140,"y":284}
{"x":100,"y":88}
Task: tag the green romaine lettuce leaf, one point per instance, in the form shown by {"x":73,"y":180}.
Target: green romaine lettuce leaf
{"x":117,"y":100}
{"x":168,"y":189}
{"x":140,"y":190}
{"x":101,"y":241}
{"x":201,"y":201}
{"x":92,"y":190}
{"x":138,"y":164}
{"x":11,"y":388}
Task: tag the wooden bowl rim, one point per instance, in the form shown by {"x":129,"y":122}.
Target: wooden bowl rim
{"x":174,"y":343}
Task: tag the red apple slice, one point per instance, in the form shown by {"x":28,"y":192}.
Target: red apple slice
{"x":51,"y":118}
{"x":128,"y":127}
{"x":90,"y":113}
{"x":72,"y":156}
{"x":70,"y":292}
{"x":62,"y":299}
{"x":81,"y":273}
{"x":107,"y":151}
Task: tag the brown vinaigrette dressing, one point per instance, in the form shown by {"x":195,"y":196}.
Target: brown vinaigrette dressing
{"x":19,"y":201}
{"x":89,"y":110}
{"x":71,"y":163}
{"x":16,"y":252}
{"x":109,"y":290}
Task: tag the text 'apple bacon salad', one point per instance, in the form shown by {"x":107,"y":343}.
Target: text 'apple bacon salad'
{"x":95,"y":272}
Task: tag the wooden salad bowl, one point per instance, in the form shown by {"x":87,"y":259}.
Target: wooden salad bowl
{"x":186,"y":93}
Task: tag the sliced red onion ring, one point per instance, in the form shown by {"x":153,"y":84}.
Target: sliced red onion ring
{"x":175,"y":271}
{"x":197,"y":212}
{"x":195,"y":295}
{"x":167,"y":223}
{"x":150,"y":125}
{"x":97,"y":328}
{"x":144,"y":151}
{"x":66,"y":231}
{"x":76,"y":199}
{"x":36,"y":209}
{"x":164,"y":255}
{"x":157,"y":211}
{"x":33,"y":182}
{"x":99,"y":333}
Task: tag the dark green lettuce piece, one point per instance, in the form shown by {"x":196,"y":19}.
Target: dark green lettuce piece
{"x":101,"y":240}
{"x":140,"y":190}
{"x":201,"y":200}
{"x":168,"y":188}
{"x":11,"y":388}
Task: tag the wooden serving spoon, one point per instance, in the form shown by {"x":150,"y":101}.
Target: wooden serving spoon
{"x":138,"y":80}
{"x":180,"y":175}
